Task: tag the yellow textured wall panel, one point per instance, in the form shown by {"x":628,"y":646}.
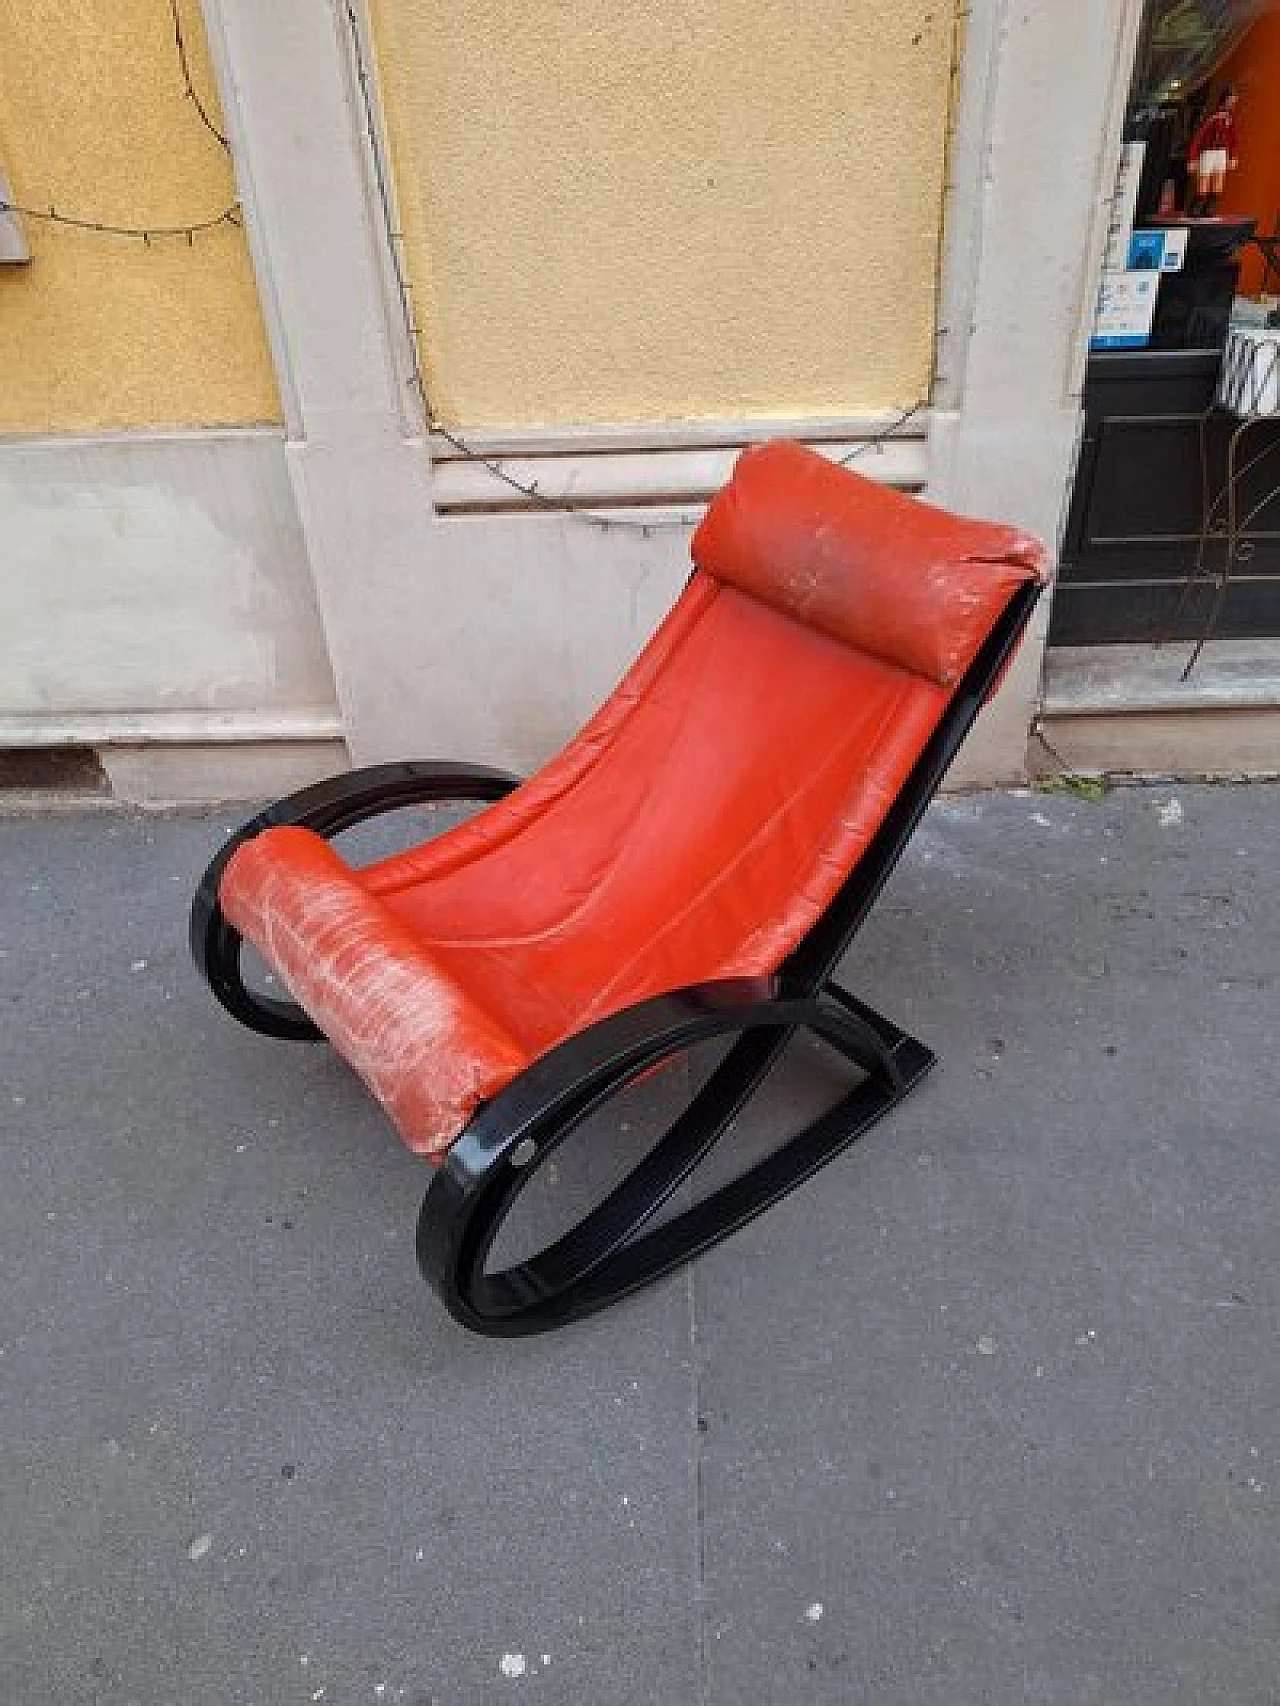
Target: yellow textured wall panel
{"x":101,"y":331}
{"x":660,"y":209}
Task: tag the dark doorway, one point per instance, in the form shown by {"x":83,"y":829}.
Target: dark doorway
{"x":1147,"y":472}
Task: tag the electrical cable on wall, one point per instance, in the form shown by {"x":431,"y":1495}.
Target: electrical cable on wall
{"x":395,"y":241}
{"x":404,"y":290}
{"x":231,"y":215}
{"x":192,"y":93}
{"x":147,"y":234}
{"x":878,"y":440}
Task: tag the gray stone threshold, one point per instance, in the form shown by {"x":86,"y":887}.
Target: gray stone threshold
{"x":1239,"y":675}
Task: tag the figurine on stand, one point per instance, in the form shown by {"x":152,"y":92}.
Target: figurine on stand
{"x":1215,"y":151}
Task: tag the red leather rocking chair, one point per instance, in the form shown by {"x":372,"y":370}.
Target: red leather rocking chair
{"x":692,"y":866}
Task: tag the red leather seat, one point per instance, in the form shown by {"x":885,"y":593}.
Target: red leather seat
{"x":694,"y":829}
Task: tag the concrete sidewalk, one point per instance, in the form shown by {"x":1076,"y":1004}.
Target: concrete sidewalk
{"x":990,"y":1412}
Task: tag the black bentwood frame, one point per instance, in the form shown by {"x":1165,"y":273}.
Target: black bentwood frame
{"x":609,"y":1253}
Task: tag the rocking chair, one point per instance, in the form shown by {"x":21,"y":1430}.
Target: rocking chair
{"x":692,"y":866}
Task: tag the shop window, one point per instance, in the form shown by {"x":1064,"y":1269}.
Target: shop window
{"x":1173,"y":533}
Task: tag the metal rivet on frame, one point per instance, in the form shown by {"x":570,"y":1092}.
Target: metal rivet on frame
{"x":524,"y":1152}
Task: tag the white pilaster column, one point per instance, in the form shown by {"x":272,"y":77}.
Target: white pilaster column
{"x":359,"y":466}
{"x":1043,"y":94}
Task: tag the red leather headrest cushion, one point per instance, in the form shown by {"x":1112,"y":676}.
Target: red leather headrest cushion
{"x":886,"y":573}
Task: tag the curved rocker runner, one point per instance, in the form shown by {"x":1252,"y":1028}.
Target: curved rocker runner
{"x":692,"y":866}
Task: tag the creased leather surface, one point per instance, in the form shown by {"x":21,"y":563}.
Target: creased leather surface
{"x":718,"y":817}
{"x":695,"y":829}
{"x":429,"y":1053}
{"x":881,"y":571}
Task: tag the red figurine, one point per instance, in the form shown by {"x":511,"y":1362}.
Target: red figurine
{"x":1215,"y":151}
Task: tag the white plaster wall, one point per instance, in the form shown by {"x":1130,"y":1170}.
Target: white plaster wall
{"x":361,"y":483}
{"x":236,"y":575}
{"x":149,"y":576}
{"x":1044,"y":91}
{"x":534,"y":619}
{"x":488,"y":636}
